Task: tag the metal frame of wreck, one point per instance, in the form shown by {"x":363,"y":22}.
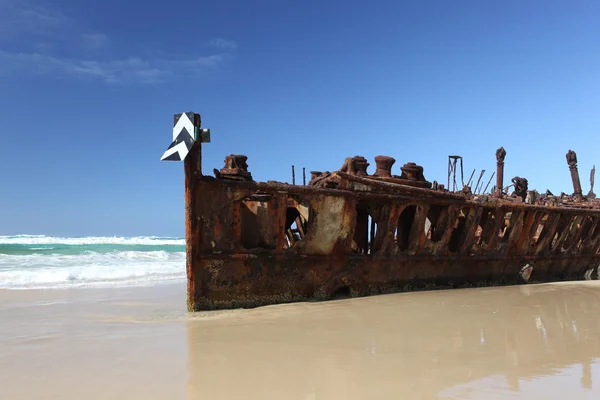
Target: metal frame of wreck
{"x":242,"y":251}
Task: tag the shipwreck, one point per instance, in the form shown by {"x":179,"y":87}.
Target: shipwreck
{"x":352,"y":233}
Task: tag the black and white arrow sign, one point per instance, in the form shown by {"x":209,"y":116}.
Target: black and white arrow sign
{"x":184,"y":136}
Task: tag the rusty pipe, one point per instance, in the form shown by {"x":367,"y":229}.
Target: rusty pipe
{"x":500,"y":154}
{"x":572,"y":161}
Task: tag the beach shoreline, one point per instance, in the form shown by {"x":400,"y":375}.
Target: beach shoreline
{"x":141,"y":343}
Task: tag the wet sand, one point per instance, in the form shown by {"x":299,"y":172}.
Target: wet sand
{"x":526,"y":342}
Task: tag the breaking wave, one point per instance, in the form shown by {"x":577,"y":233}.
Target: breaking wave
{"x":36,"y":261}
{"x":91,"y":240}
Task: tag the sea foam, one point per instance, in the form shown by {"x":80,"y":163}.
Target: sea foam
{"x":33,"y":262}
{"x":91,"y":240}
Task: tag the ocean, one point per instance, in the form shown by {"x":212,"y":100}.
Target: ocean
{"x":45,"y":262}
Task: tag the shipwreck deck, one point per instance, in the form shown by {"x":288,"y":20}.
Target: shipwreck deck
{"x":258,"y":243}
{"x":349,"y":232}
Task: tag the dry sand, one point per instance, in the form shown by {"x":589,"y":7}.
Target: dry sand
{"x":526,"y":342}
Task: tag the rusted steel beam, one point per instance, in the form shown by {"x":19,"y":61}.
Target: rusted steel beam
{"x":471,"y":177}
{"x":561,"y":233}
{"x":472,"y":223}
{"x":478,"y":180}
{"x":591,"y":194}
{"x":575,"y":228}
{"x":499,"y":223}
{"x":547,"y":235}
{"x":489,"y":181}
{"x":517,"y":220}
{"x":193,"y":225}
{"x":392,"y":191}
{"x":530,"y":223}
{"x":500,"y":155}
{"x":445,"y":228}
{"x":486,"y":224}
{"x":278,"y":222}
{"x":592,"y":236}
{"x":417,"y":231}
{"x":572,"y":161}
{"x":583,"y":233}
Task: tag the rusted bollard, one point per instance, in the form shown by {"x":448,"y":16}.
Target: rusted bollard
{"x":384,"y":166}
{"x":361,"y":165}
{"x":236,"y":168}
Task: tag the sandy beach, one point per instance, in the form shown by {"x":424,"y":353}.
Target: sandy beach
{"x":534,"y":341}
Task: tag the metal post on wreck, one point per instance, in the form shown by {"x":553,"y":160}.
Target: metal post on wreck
{"x":479,"y":180}
{"x":489,"y":181}
{"x":186,"y":147}
{"x":452,"y":160}
{"x":591,"y":194}
{"x":500,"y":154}
{"x":471,"y":177}
{"x":572,"y":161}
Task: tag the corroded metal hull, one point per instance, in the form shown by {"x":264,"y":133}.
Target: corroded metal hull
{"x":251,"y":244}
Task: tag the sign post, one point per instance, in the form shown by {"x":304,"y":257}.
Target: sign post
{"x":186,"y":147}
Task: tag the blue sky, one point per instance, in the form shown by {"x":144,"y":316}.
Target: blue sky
{"x":88,"y":90}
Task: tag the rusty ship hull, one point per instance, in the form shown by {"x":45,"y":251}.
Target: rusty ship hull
{"x":253,"y":243}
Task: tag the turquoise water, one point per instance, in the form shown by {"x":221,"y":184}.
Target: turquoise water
{"x":26,"y":249}
{"x":37,"y":261}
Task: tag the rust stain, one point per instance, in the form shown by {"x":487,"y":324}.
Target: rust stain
{"x":256,"y":243}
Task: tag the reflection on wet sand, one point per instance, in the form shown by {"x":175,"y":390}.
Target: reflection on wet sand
{"x":414,"y":345}
{"x":528,"y":342}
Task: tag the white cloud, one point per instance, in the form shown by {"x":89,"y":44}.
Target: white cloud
{"x":40,"y":15}
{"x":95,"y":40}
{"x":223,"y":44}
{"x":130,"y":70}
{"x":36,"y":35}
{"x":201,"y":62}
{"x":19,"y":19}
